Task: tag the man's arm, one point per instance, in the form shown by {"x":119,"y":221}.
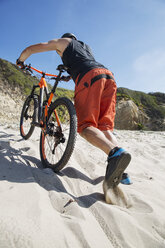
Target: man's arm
{"x":58,"y":45}
{"x":38,"y":48}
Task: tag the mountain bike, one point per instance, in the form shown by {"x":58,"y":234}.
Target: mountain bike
{"x":57,"y":120}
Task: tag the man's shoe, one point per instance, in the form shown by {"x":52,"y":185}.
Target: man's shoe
{"x":125,"y":179}
{"x":118,"y":160}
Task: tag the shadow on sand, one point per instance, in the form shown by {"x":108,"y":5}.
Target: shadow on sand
{"x":17,"y":166}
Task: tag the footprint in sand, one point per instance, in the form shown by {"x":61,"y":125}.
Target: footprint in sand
{"x":140,"y":206}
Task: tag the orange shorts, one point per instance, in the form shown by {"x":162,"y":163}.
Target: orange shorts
{"x":95,"y":100}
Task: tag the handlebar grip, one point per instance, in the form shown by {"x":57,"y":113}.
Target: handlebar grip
{"x":20,"y":63}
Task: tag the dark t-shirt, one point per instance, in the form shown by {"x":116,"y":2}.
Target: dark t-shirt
{"x":79,"y":59}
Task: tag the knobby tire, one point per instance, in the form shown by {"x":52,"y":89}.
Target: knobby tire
{"x":33,"y":100}
{"x":69,"y":143}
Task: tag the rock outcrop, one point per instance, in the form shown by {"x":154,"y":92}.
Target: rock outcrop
{"x":129,"y":116}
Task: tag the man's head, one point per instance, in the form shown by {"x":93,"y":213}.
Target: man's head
{"x":69,"y":35}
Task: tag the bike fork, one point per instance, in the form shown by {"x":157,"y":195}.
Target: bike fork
{"x":40,"y":104}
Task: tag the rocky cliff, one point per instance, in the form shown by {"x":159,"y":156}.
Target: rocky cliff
{"x":138,"y":110}
{"x":129,"y":116}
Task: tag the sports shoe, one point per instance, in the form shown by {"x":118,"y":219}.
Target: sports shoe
{"x":125,"y":179}
{"x":118,"y":160}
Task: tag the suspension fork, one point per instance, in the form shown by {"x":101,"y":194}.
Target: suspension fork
{"x":43,"y":86}
{"x":40,"y":109}
{"x":32,"y":95}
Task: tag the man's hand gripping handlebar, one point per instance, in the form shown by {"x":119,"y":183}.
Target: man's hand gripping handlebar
{"x":61,"y":68}
{"x":20,"y":64}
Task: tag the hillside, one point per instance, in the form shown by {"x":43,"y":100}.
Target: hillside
{"x":147,"y":111}
{"x":15,"y":77}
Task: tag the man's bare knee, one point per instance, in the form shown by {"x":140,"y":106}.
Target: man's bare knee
{"x":83,"y":132}
{"x":87,"y":131}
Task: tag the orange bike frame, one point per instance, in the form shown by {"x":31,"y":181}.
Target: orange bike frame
{"x":42,"y":84}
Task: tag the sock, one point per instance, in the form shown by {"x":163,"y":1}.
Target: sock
{"x":113,"y":151}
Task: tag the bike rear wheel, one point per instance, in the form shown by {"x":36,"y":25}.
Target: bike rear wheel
{"x":28,"y":116}
{"x":57,"y":142}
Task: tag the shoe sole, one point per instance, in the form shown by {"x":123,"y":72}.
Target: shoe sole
{"x":115,"y":178}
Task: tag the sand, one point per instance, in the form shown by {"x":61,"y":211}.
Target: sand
{"x":41,"y":209}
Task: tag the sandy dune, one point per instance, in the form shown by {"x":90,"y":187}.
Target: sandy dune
{"x":41,"y":209}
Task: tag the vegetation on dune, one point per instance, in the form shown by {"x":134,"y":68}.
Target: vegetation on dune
{"x":15,"y":77}
{"x":23,"y":79}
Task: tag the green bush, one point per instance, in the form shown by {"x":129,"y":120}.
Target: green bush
{"x":140,"y":126}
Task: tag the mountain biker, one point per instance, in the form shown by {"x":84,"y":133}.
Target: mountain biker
{"x":95,"y":99}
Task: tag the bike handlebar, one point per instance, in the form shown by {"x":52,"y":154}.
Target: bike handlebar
{"x":29,"y":67}
{"x":61,"y":68}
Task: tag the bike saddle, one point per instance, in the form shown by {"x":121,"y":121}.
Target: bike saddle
{"x":62,"y":68}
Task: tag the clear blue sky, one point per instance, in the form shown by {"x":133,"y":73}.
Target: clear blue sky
{"x":127,"y":36}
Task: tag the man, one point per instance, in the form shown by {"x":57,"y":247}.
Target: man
{"x":95,"y":99}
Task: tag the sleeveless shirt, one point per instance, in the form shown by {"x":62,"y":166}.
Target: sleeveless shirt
{"x":79,"y":59}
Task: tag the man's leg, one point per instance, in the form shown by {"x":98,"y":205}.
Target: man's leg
{"x":125,"y":177}
{"x":103,"y":140}
{"x":107,"y":142}
{"x":111,"y":137}
{"x":95,"y":106}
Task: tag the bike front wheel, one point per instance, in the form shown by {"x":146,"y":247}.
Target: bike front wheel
{"x":28,"y":116}
{"x":57,"y":141}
